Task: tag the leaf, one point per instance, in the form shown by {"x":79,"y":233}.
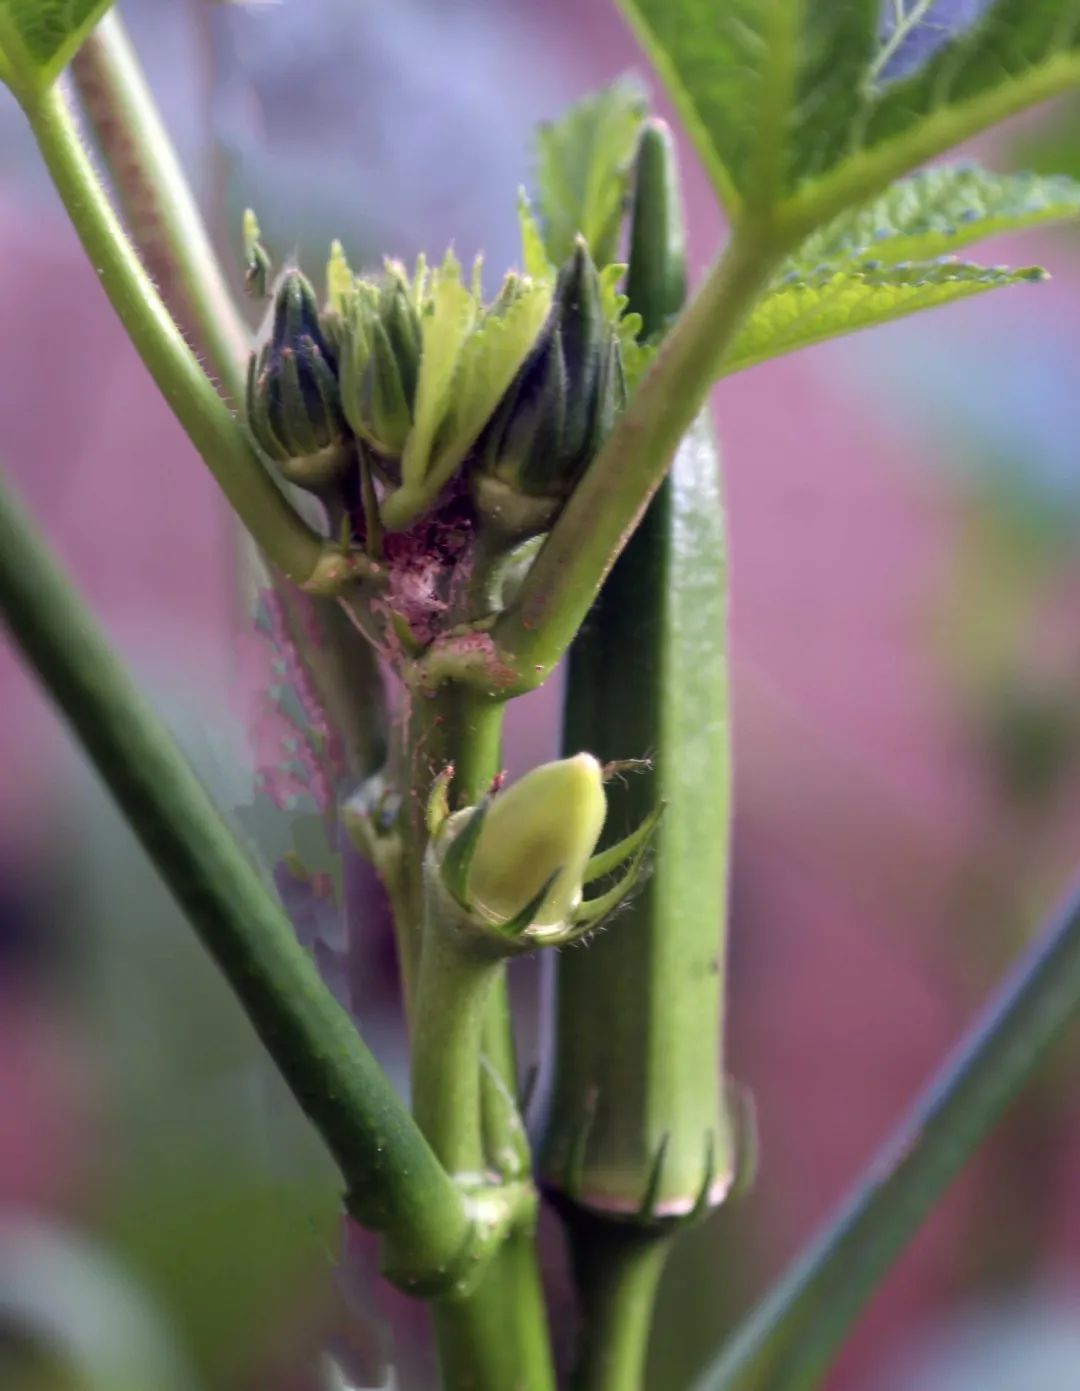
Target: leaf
{"x":534,"y":257}
{"x":38,"y":38}
{"x":583,"y":170}
{"x":913,"y":29}
{"x":487,"y":364}
{"x":801,"y":310}
{"x":837,"y":43}
{"x":770,"y":93}
{"x":636,"y":354}
{"x":1019,"y":53}
{"x":448,"y":318}
{"x":937,"y":211}
{"x":788,"y":110}
{"x":1014,"y":48}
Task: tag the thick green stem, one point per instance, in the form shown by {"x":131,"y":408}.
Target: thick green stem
{"x":617,"y":1270}
{"x":394,"y":1182}
{"x":451,"y":727}
{"x":448,"y":1030}
{"x":464,"y":1065}
{"x":789,"y":1341}
{"x":223,"y":443}
{"x":162,"y":217}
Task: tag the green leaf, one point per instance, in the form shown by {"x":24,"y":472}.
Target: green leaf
{"x":1013,"y":48}
{"x":780,"y":97}
{"x":801,"y":310}
{"x":1019,"y":53}
{"x":937,"y":211}
{"x":487,"y":363}
{"x":583,"y":168}
{"x":770,"y":93}
{"x":837,"y":44}
{"x":534,"y":256}
{"x":38,"y":38}
{"x":448,"y":320}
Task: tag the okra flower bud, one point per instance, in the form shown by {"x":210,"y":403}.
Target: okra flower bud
{"x":558,"y":409}
{"x":538,"y":836}
{"x":381,"y":363}
{"x":512,"y":871}
{"x":293,"y":400}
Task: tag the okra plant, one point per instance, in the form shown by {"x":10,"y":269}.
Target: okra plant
{"x":449,"y":490}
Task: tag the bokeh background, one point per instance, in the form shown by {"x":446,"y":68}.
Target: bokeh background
{"x":905,"y":518}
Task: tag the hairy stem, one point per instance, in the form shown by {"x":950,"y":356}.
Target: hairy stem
{"x":223,"y":443}
{"x":789,"y":1341}
{"x":171,"y":238}
{"x":394,"y":1182}
{"x":161,"y":214}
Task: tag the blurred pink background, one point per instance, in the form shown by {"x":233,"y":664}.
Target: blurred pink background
{"x":904,"y":511}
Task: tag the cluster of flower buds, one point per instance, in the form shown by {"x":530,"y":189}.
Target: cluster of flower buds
{"x":512,"y":871}
{"x":557,"y":412}
{"x":293,"y":398}
{"x":415,"y":374}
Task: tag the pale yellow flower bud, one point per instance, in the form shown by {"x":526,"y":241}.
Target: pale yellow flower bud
{"x":547,"y":823}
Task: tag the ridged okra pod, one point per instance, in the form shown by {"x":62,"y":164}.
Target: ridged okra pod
{"x":636,"y":1126}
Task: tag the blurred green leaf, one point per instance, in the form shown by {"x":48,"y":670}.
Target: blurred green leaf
{"x":936,"y":212}
{"x":770,"y":93}
{"x":800,"y":310}
{"x":583,"y":169}
{"x":1019,"y":52}
{"x":785,"y":105}
{"x":38,"y":38}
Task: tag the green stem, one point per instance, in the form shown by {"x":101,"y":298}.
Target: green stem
{"x":223,"y":443}
{"x":497,"y":1338}
{"x":394,"y":1182}
{"x":170,"y":236}
{"x":451,"y":998}
{"x":612,"y":497}
{"x":789,"y":1341}
{"x":451,"y":727}
{"x":617,"y":1270}
{"x":162,"y":216}
{"x":506,"y":1144}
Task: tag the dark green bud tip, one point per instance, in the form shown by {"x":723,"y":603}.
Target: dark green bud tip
{"x":293,"y":399}
{"x":296,"y":316}
{"x":656,"y":276}
{"x":560,"y":406}
{"x":584,"y":335}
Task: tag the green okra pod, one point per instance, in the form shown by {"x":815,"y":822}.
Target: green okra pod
{"x":636,"y":1126}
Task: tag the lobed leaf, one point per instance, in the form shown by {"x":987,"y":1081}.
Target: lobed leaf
{"x":800,"y":310}
{"x":1013,"y":48}
{"x":38,"y":38}
{"x":937,"y":211}
{"x":1017,"y":54}
{"x":583,"y":169}
{"x":790,"y":102}
{"x":771,"y":94}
